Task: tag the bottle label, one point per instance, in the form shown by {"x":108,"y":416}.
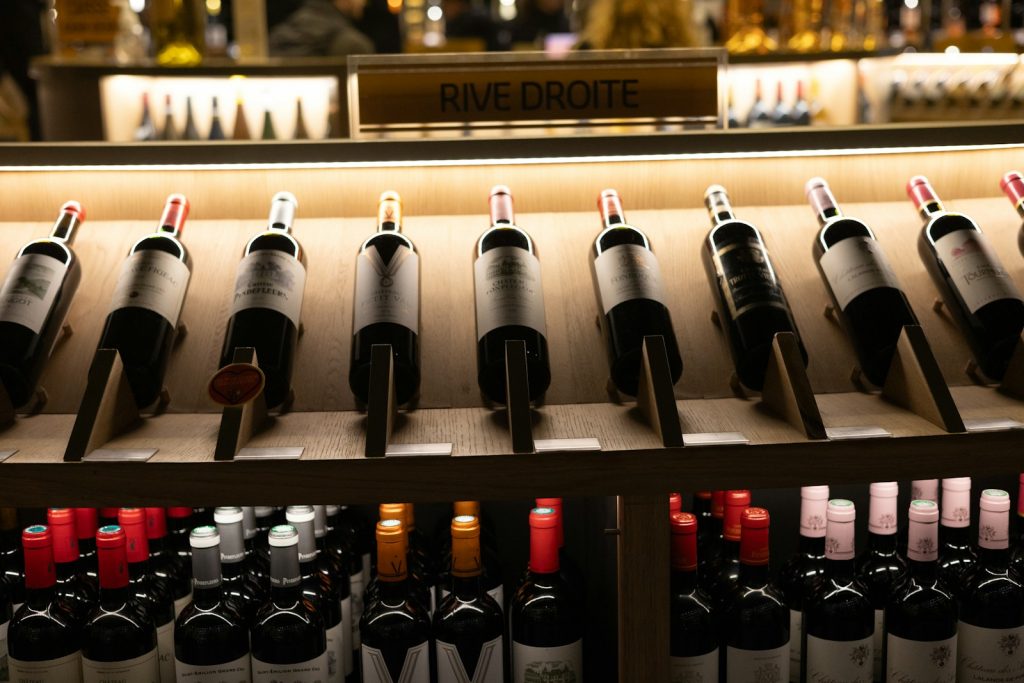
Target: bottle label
{"x":335,"y":655}
{"x":975,"y":269}
{"x":312,"y":671}
{"x":238,"y":671}
{"x":796,"y":624}
{"x":270,"y":279}
{"x":144,"y":669}
{"x":154,"y":280}
{"x":547,"y":664}
{"x":387,"y":292}
{"x":699,"y":669}
{"x":879,"y":642}
{"x":508,"y":290}
{"x":990,"y":655}
{"x":914,"y":661}
{"x":182,"y":603}
{"x":747,"y":278}
{"x":30,"y":289}
{"x":627,"y":272}
{"x":490,"y":665}
{"x":415,"y":667}
{"x":165,"y":647}
{"x":854,"y":266}
{"x":66,"y":669}
{"x":498,"y":593}
{"x":763,"y":666}
{"x":840,"y":661}
{"x":346,"y":635}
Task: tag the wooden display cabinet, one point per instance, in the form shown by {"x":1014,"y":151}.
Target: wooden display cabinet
{"x":444,"y":185}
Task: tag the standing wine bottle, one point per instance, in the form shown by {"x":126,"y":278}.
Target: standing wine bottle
{"x":395,"y":627}
{"x":267,"y":301}
{"x":724,"y":574}
{"x":862,"y":285}
{"x":759,"y":116}
{"x":839,"y":621}
{"x":356,"y":530}
{"x":977,"y":290}
{"x":630,"y":296}
{"x":268,"y":126}
{"x":755,"y":621}
{"x":693,"y":627}
{"x":956,"y":551}
{"x":74,"y":587}
{"x":386,"y":308}
{"x":119,"y":640}
{"x":44,"y":637}
{"x":419,"y":584}
{"x":147,"y":302}
{"x":179,"y":526}
{"x":241,"y":128}
{"x":238,"y":586}
{"x":264,"y":522}
{"x":782,"y":115}
{"x":804,"y":571}
{"x":334,"y":581}
{"x":880,"y":568}
{"x":509,"y":302}
{"x":491,"y":573}
{"x":920,"y":489}
{"x":991,"y":629}
{"x":567,"y":567}
{"x":146,"y":130}
{"x":468,"y":624}
{"x":338,"y":544}
{"x":169,"y":132}
{"x":34,"y":301}
{"x":711,"y":545}
{"x":86,"y":524}
{"x":752,"y":307}
{"x":12,"y":560}
{"x":211,"y":640}
{"x":108,"y":516}
{"x":921,"y":617}
{"x":299,"y":132}
{"x":216,"y":127}
{"x":190,"y":132}
{"x":164,"y":562}
{"x":546,"y":621}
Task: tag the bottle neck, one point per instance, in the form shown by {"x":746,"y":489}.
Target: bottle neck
{"x":719,"y":209}
{"x":138,"y":571}
{"x":112,"y":598}
{"x":66,"y":571}
{"x":923,"y":571}
{"x":394,"y":592}
{"x":39,"y":598}
{"x":157,"y":546}
{"x":466,"y":587}
{"x":996,"y":559}
{"x":611,"y":210}
{"x":931,"y":209}
{"x":882,"y":544}
{"x":66,"y":228}
{"x":812,"y":546}
{"x":684,"y":581}
{"x":754,"y":575}
{"x":842,"y":571}
{"x":956,"y":537}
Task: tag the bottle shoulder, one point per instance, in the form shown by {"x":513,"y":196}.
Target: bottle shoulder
{"x":504,"y":236}
{"x":388,"y":240}
{"x":733,"y":231}
{"x":618,"y":235}
{"x":53,"y":248}
{"x":161,"y":242}
{"x":274,"y":240}
{"x":480,"y":615}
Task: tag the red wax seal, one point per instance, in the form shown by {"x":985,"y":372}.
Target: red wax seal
{"x":236,"y":384}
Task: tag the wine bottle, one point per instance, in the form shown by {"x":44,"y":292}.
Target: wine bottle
{"x":299,"y":132}
{"x":630,"y":295}
{"x":861,"y":284}
{"x":211,"y":640}
{"x":334,"y":581}
{"x":491,"y":579}
{"x":73,"y":586}
{"x":5,"y":621}
{"x":801,"y":109}
{"x":509,"y":302}
{"x":755,"y":620}
{"x":288,"y":637}
{"x":34,"y":301}
{"x":804,"y":571}
{"x":546,"y":621}
{"x":782,"y":115}
{"x":216,"y":127}
{"x":468,"y":624}
{"x":712,"y":547}
{"x":921,"y":616}
{"x":147,"y":302}
{"x":86,"y":525}
{"x":394,"y":628}
{"x":238,"y":586}
{"x":338,"y":544}
{"x":169,"y":132}
{"x":267,"y":302}
{"x":148,"y":587}
{"x":179,"y":526}
{"x":675,"y":503}
{"x":164,"y":563}
{"x":881,"y":568}
{"x":119,"y":640}
{"x":146,"y":130}
{"x":759,"y":115}
{"x":569,"y":570}
{"x":12,"y":560}
{"x":386,"y":309}
{"x":178,"y":30}
{"x":977,"y":290}
{"x":752,"y":307}
{"x":190,"y":132}
{"x":1012,"y":185}
{"x":724,"y":574}
{"x":355,"y":529}
{"x":693,"y":627}
{"x":268,"y":126}
{"x":44,"y":637}
{"x":956,"y":551}
{"x":839,"y":621}
{"x":419,"y":582}
{"x":991,"y":628}
{"x":241,"y":128}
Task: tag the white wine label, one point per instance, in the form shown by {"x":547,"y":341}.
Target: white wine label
{"x":547,"y":664}
{"x":415,"y":666}
{"x":335,"y":655}
{"x":312,"y":671}
{"x":854,"y":266}
{"x":165,"y":647}
{"x":387,"y":292}
{"x":238,"y":671}
{"x":990,"y":655}
{"x":154,"y":280}
{"x":975,"y":269}
{"x":746,"y":277}
{"x":144,"y":669}
{"x":757,"y":666}
{"x":914,"y":661}
{"x":840,"y":661}
{"x":498,"y":593}
{"x":270,"y":279}
{"x":627,"y":272}
{"x":699,"y":669}
{"x":508,"y":290}
{"x":796,"y":623}
{"x":4,"y":666}
{"x":182,"y":603}
{"x":489,"y":668}
{"x":67,"y":669}
{"x":346,"y":635}
{"x":879,"y":642}
{"x":30,"y":289}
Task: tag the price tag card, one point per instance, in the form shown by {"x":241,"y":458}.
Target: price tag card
{"x":996,"y":424}
{"x":409,"y":449}
{"x":715,"y":439}
{"x":278,"y":453}
{"x":6,"y":454}
{"x":552,"y":445}
{"x":850,"y":433}
{"x":120,"y":455}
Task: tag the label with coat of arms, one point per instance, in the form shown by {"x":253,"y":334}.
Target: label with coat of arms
{"x":698,"y":669}
{"x":990,"y":655}
{"x":840,"y":661}
{"x":547,"y":664}
{"x":270,"y":279}
{"x":915,"y":661}
{"x":757,"y":666}
{"x":627,"y":272}
{"x":508,"y":290}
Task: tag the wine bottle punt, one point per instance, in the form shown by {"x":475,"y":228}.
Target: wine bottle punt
{"x":74,"y":586}
{"x":630,"y":296}
{"x":34,"y":302}
{"x":509,"y":302}
{"x":386,"y":309}
{"x":147,"y":302}
{"x":975,"y":287}
{"x":694,"y":627}
{"x":267,"y":301}
{"x":956,"y":548}
{"x":169,"y":131}
{"x":862,"y":285}
{"x":752,"y":307}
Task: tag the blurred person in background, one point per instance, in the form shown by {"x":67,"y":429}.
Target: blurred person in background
{"x":464,"y":20}
{"x":381,"y":25}
{"x":625,"y":24}
{"x":539,"y":18}
{"x":21,"y":39}
{"x":320,"y":28}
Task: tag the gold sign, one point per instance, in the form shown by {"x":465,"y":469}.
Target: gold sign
{"x":86,"y":21}
{"x":592,"y":88}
